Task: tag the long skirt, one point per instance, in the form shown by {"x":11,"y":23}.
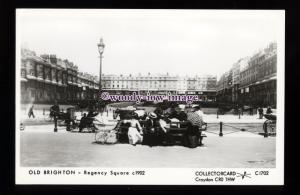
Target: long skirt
{"x":191,"y":137}
{"x":134,"y":136}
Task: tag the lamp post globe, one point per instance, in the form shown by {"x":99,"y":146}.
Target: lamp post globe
{"x":101,"y":46}
{"x":100,"y":50}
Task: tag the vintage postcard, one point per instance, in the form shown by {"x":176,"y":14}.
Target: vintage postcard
{"x":150,"y":97}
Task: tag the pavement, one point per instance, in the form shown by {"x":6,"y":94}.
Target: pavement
{"x":41,"y":147}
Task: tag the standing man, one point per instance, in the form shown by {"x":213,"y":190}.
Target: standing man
{"x":260,"y":112}
{"x":30,"y":112}
{"x":192,"y":138}
{"x":55,"y":111}
{"x":197,"y":110}
{"x":269,"y":110}
{"x":251,"y":110}
{"x":69,"y":118}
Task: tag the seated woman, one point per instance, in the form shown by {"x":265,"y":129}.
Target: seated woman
{"x":134,"y":130}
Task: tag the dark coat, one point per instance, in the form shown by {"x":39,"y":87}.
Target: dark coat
{"x":92,"y":114}
{"x":55,"y":108}
{"x":152,"y":137}
{"x":182,"y":116}
{"x":150,"y":123}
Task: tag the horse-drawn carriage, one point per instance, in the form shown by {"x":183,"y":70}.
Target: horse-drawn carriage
{"x":85,"y":123}
{"x":63,"y":118}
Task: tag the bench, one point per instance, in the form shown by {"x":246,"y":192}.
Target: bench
{"x":178,"y":129}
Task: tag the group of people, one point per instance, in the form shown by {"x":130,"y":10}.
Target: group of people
{"x":261,"y":111}
{"x":85,"y":121}
{"x":155,"y":131}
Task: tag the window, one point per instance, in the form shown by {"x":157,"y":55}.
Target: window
{"x":32,"y":93}
{"x":23,"y":73}
{"x":32,"y":72}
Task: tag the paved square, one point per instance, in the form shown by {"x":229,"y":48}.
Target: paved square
{"x":41,"y":147}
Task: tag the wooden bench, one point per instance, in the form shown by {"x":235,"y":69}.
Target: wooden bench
{"x":178,"y":129}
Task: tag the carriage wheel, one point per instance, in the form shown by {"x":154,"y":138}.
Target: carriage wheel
{"x":74,"y":126}
{"x":272,"y":127}
{"x":100,"y":137}
{"x":269,"y":127}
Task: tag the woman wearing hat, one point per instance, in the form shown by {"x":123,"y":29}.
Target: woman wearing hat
{"x":134,"y":130}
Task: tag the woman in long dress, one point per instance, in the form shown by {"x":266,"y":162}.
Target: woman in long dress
{"x":134,"y":130}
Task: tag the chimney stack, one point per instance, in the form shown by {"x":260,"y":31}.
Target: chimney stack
{"x":53,"y":59}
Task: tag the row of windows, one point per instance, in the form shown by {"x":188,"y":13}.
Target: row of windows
{"x":63,"y":79}
{"x":248,"y":80}
{"x":155,"y":82}
{"x":164,"y":87}
{"x":35,"y":69}
{"x":139,"y":78}
{"x":40,"y":94}
{"x":151,"y":80}
{"x":126,"y":86}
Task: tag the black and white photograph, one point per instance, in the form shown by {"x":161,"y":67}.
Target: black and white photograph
{"x":107,"y":96}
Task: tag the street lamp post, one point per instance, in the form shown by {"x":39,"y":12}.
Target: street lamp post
{"x":101,"y":50}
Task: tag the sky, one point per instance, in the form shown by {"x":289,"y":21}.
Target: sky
{"x":178,"y":42}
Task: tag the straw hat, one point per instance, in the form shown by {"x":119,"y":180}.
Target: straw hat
{"x":196,"y":106}
{"x":181,"y":107}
